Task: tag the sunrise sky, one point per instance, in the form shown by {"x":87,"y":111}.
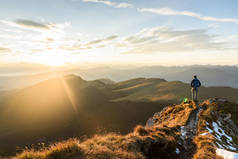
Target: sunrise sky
{"x":163,"y":32}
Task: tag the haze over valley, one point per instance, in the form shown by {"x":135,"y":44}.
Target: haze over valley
{"x":27,"y":75}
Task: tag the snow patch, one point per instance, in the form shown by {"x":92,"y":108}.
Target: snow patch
{"x":177,"y":151}
{"x":220,"y":133}
{"x":183,"y":131}
{"x":204,"y":134}
{"x":226,"y":154}
{"x":150,"y":122}
{"x":210,"y":130}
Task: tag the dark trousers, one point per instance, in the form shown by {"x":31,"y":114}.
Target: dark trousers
{"x":194,"y":94}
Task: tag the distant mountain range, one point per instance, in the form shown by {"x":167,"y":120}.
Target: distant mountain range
{"x":70,"y":106}
{"x":209,"y":75}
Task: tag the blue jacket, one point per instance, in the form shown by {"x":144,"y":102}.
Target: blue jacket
{"x":195,"y":83}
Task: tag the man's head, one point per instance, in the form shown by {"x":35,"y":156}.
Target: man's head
{"x":195,"y":76}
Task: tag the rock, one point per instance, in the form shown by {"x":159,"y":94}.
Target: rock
{"x":227,"y":117}
{"x":150,"y":122}
{"x":156,"y":114}
{"x":42,"y":140}
{"x":221,"y":100}
{"x":212,"y":100}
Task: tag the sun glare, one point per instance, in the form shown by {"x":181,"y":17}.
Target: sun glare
{"x":55,"y":62}
{"x":51,"y":59}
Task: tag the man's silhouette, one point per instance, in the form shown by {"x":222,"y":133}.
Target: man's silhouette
{"x":195,"y":84}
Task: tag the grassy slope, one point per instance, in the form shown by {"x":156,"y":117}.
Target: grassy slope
{"x":46,"y":112}
{"x":144,"y":142}
{"x":153,"y":89}
{"x":140,"y":144}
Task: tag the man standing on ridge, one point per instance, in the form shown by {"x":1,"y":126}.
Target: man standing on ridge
{"x":195,"y":84}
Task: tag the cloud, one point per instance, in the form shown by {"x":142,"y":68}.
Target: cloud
{"x":99,"y":43}
{"x":155,"y":40}
{"x":35,"y":26}
{"x":9,"y":30}
{"x":94,"y":42}
{"x":124,"y":5}
{"x":74,"y":47}
{"x":168,"y":11}
{"x":163,"y":39}
{"x":34,"y":36}
{"x":4,"y":50}
{"x":109,"y":3}
{"x":111,"y":37}
{"x":32,"y":24}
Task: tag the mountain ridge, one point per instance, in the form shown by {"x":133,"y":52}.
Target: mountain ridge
{"x":70,"y":106}
{"x":163,"y":138}
{"x":210,"y":75}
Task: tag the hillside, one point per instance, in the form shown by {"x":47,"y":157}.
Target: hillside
{"x":70,"y":106}
{"x":154,"y":89}
{"x":185,"y":131}
{"x":65,"y":107}
{"x":210,"y":75}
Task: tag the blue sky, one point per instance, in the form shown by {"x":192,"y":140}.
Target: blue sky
{"x":163,"y":32}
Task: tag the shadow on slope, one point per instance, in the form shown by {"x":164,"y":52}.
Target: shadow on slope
{"x":65,"y":107}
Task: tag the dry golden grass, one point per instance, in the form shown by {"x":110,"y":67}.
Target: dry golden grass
{"x":158,"y":141}
{"x":144,"y":142}
{"x":205,"y":147}
{"x":205,"y":143}
{"x":140,"y":144}
{"x":176,"y":115}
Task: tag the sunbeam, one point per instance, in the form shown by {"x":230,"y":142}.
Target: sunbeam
{"x":69,"y":94}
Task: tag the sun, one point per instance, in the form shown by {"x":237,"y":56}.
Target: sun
{"x":51,"y":59}
{"x":55,"y":62}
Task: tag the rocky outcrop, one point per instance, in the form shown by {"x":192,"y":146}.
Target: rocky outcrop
{"x":207,"y":122}
{"x":184,"y":131}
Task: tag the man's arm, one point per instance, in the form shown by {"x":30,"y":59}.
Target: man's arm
{"x":192,"y":83}
{"x":199,"y":83}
